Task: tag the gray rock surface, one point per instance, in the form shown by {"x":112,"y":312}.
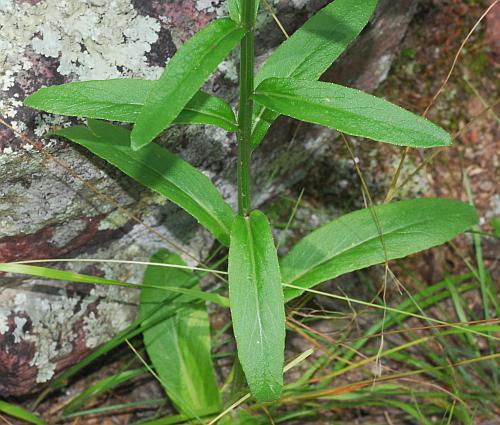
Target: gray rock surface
{"x":93,"y":211}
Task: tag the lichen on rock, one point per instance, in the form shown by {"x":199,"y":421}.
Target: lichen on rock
{"x":89,"y":40}
{"x":92,"y":40}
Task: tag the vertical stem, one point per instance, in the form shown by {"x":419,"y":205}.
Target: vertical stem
{"x":246,"y":107}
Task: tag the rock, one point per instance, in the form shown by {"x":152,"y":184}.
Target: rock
{"x":492,"y":36}
{"x":63,"y":202}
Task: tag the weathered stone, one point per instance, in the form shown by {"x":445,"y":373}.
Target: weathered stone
{"x":493,"y":34}
{"x":48,"y":212}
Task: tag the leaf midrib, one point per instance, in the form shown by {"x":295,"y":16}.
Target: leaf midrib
{"x":109,"y":104}
{"x":222,"y":118}
{"x":337,"y":110}
{"x":253,"y":266}
{"x":142,"y":139}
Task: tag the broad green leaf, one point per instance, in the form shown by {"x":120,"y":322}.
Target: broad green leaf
{"x":160,"y":170}
{"x":184,"y":75}
{"x":179,"y":347}
{"x":122,"y":100}
{"x":350,"y":111}
{"x":95,"y":280}
{"x":311,"y":50}
{"x":353,"y":242}
{"x":234,"y":8}
{"x":20,"y":413}
{"x":257,"y":310}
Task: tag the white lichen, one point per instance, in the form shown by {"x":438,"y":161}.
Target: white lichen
{"x":18,"y":332}
{"x":91,"y":40}
{"x":4,"y":320}
{"x":229,"y":70}
{"x":207,"y":5}
{"x":44,"y":122}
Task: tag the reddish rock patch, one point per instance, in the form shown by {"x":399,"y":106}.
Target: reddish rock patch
{"x":38,"y":245}
{"x":492,"y":36}
{"x":183,"y":16}
{"x":15,"y":371}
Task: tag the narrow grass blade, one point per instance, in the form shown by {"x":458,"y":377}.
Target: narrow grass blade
{"x":257,"y":309}
{"x":179,"y":347}
{"x":353,"y":241}
{"x":184,"y":75}
{"x":310,"y":51}
{"x":122,"y":100}
{"x":350,"y":111}
{"x":20,"y":413}
{"x":423,"y":300}
{"x":106,"y":410}
{"x":101,"y":387}
{"x":159,"y":170}
{"x":82,"y":278}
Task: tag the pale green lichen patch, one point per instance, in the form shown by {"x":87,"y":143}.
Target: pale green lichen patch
{"x":90,"y":40}
{"x":113,"y":314}
{"x":4,"y":324}
{"x":52,"y":320}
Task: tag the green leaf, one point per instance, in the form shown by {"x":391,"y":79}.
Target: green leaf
{"x":184,"y":74}
{"x":20,"y":413}
{"x":495,"y":224}
{"x":160,"y":170}
{"x":206,"y":109}
{"x":350,"y":111}
{"x":257,"y":310}
{"x":122,"y":100}
{"x":234,"y":8}
{"x":179,"y":347}
{"x":311,"y":50}
{"x":353,"y":242}
{"x":95,"y":280}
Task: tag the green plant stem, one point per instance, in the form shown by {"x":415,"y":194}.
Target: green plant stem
{"x":246,"y":108}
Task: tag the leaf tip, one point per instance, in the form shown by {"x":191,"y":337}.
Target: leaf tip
{"x":442,"y":137}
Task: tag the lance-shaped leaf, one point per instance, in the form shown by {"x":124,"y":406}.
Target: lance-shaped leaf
{"x":310,"y":51}
{"x":122,"y":100}
{"x":256,"y":299}
{"x":184,"y":74}
{"x":350,"y":111}
{"x":353,"y":241}
{"x":160,"y":170}
{"x":179,"y":347}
